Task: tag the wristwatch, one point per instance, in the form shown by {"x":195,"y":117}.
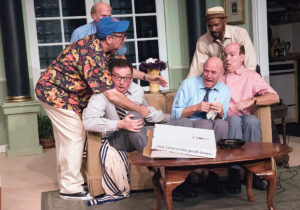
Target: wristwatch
{"x":254,"y":99}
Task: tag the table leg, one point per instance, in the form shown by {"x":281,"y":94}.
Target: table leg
{"x":270,"y":176}
{"x":157,"y":189}
{"x":173,"y":178}
{"x":249,"y":180}
{"x":262,"y":169}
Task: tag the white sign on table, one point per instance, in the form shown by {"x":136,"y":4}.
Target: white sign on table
{"x":183,"y":142}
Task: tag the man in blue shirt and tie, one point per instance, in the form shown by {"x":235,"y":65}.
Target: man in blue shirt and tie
{"x":204,"y":99}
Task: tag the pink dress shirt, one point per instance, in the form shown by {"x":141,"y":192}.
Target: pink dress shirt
{"x":244,"y":84}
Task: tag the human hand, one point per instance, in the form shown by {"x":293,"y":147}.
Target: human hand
{"x":244,"y":104}
{"x":157,"y":79}
{"x":144,"y":111}
{"x":127,"y":123}
{"x":203,"y":106}
{"x":217,"y":107}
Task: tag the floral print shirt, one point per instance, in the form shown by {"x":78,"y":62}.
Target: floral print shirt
{"x":78,"y":72}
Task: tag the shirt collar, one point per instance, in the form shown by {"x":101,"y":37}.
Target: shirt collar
{"x":227,"y":34}
{"x":129,"y":91}
{"x":239,"y":71}
{"x":201,"y":85}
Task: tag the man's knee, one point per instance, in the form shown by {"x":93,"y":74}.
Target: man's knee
{"x":251,"y":120}
{"x":184,"y":122}
{"x":234,"y":121}
{"x":136,"y":115}
{"x":221,"y":125}
{"x":205,"y":124}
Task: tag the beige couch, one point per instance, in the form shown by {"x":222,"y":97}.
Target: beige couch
{"x":140,"y":177}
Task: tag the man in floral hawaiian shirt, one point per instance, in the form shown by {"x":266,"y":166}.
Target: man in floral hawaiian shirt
{"x":65,"y":88}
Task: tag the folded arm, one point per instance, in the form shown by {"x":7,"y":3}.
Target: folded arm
{"x":263,"y":100}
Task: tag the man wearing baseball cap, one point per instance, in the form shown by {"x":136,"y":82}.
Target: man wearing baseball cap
{"x":65,"y":88}
{"x":98,"y":11}
{"x":212,"y":43}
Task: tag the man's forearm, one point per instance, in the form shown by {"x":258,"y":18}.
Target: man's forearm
{"x":267,"y":99}
{"x":122,"y":101}
{"x":188,"y":111}
{"x":139,"y":75}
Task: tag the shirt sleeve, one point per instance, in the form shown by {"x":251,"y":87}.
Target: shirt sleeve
{"x":93,"y":116}
{"x":180,"y":101}
{"x":122,"y":50}
{"x":260,"y":85}
{"x":74,"y":37}
{"x":97,"y":74}
{"x":137,"y":96}
{"x":156,"y":116}
{"x":199,"y":58}
{"x":227,"y":96}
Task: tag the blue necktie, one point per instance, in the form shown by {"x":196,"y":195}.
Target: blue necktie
{"x":205,"y":98}
{"x":206,"y":94}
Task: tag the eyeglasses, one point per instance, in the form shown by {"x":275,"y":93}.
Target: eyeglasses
{"x":119,"y":36}
{"x":119,"y":78}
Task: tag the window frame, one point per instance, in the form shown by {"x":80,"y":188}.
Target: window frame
{"x":161,"y":36}
{"x":32,"y":31}
{"x":34,"y":45}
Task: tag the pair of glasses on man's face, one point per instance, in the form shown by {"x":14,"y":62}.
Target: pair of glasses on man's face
{"x":120,"y":36}
{"x":119,"y":78}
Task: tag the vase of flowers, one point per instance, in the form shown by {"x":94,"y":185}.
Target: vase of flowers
{"x":153,"y":67}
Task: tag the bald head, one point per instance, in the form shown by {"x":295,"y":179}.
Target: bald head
{"x":234,"y":57}
{"x":100,"y":10}
{"x":212,"y":71}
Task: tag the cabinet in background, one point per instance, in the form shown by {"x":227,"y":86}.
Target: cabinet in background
{"x":283,"y":78}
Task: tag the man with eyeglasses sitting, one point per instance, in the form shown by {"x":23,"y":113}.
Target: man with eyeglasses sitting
{"x":126,"y":130}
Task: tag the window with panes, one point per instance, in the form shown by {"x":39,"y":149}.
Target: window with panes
{"x":146,"y":33}
{"x":55,"y":20}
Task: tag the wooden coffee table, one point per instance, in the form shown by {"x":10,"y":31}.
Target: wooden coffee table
{"x":254,"y":157}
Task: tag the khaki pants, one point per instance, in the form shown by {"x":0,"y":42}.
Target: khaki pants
{"x":69,"y":137}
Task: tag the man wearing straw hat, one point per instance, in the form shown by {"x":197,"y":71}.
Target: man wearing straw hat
{"x":212,"y":43}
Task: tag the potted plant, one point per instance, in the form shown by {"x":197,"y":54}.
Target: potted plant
{"x":45,"y":131}
{"x":153,"y":66}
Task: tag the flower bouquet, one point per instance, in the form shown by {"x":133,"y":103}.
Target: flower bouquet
{"x":153,"y":66}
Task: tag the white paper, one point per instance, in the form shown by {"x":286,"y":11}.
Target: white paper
{"x":190,"y":141}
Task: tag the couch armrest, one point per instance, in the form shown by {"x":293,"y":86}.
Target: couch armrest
{"x":263,"y":113}
{"x":92,"y":170}
{"x":140,"y":176}
{"x":158,"y":101}
{"x":169,"y":102}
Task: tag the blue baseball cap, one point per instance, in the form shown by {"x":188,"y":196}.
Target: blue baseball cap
{"x":109,"y":25}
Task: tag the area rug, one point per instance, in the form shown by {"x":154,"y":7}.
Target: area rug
{"x":287,"y":196}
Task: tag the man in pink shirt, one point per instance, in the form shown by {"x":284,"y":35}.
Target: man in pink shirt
{"x":247,"y":89}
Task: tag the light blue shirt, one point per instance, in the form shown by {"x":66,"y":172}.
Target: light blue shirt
{"x":192,"y":91}
{"x":88,"y":29}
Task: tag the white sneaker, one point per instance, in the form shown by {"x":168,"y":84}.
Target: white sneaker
{"x":76,"y":196}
